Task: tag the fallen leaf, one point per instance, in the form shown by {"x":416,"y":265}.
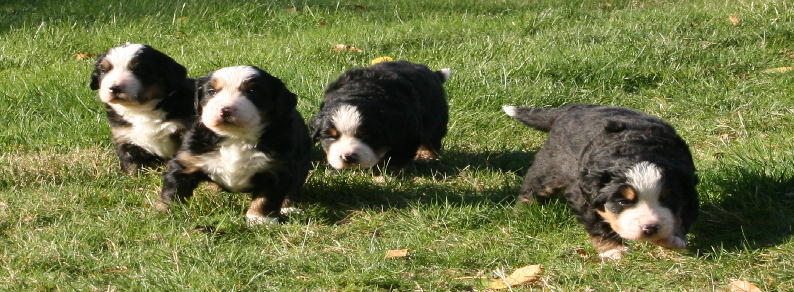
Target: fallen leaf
{"x":742,"y":286}
{"x":291,"y":9}
{"x":321,"y":23}
{"x":82,"y":56}
{"x":692,"y":24}
{"x":381,"y":60}
{"x":582,"y":253}
{"x":788,"y":53}
{"x":343,"y":47}
{"x":396,"y":253}
{"x":520,"y":276}
{"x":777,"y":70}
{"x":734,"y":20}
{"x":605,"y":4}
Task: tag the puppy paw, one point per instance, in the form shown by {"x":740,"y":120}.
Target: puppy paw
{"x":256,"y":220}
{"x":160,"y":206}
{"x":672,"y":242}
{"x":291,"y":210}
{"x":425,"y":153}
{"x":613,"y":254}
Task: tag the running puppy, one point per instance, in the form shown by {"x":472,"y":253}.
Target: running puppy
{"x":626,"y":175}
{"x":248,"y":138}
{"x":393,"y":111}
{"x":149,"y":103}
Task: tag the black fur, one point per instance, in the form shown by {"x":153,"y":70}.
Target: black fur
{"x":403,"y":107}
{"x":587,"y":153}
{"x":285,"y":139}
{"x":163,"y":79}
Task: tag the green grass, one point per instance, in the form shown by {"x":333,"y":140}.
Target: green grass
{"x":69,"y":220}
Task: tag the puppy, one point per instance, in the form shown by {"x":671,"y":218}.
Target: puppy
{"x":626,"y":175}
{"x":149,"y":103}
{"x":391,"y":111}
{"x":248,"y":138}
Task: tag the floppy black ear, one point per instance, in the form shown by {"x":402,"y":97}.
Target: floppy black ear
{"x":592,"y":183}
{"x":94,"y":84}
{"x":316,"y":124}
{"x":286,"y":100}
{"x":199,"y":96}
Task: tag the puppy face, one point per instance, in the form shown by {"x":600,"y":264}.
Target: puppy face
{"x":135,"y":74}
{"x":636,"y":209}
{"x":349,"y":139}
{"x":240,"y":101}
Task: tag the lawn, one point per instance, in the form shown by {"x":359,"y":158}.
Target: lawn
{"x":716,"y":70}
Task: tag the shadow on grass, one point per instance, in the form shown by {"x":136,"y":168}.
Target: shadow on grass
{"x":755,"y":212}
{"x":344,"y":195}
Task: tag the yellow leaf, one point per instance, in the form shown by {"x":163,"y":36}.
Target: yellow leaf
{"x":396,"y":253}
{"x":778,"y":70}
{"x":522,"y":275}
{"x":81,"y":56}
{"x":343,"y":47}
{"x":381,"y":60}
{"x":742,"y":286}
{"x":734,"y":20}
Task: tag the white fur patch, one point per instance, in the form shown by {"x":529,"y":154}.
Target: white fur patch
{"x":234,"y":163}
{"x":149,"y":129}
{"x":256,"y":220}
{"x":646,"y":179}
{"x":613,"y":254}
{"x":246,"y":120}
{"x":446,"y":72}
{"x":120,"y":73}
{"x":346,"y":119}
{"x":347,"y":145}
{"x":510,"y":110}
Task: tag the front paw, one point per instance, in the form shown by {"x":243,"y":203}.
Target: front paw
{"x":672,"y":242}
{"x":614,"y":254}
{"x":256,"y":220}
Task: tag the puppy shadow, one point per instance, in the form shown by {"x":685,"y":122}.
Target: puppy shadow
{"x":452,"y":163}
{"x":754,"y":213}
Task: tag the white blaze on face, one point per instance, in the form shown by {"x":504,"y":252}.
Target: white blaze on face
{"x":347,"y":120}
{"x":244,"y":119}
{"x":119,"y":74}
{"x":646,"y":179}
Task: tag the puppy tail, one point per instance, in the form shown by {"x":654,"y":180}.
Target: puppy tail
{"x":539,"y":118}
{"x":444,"y":74}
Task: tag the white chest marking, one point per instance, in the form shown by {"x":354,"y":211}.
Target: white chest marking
{"x":149,"y":129}
{"x":234,"y":163}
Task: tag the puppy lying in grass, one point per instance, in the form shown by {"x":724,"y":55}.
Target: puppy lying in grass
{"x":626,"y":175}
{"x":390,"y":112}
{"x":248,"y":138}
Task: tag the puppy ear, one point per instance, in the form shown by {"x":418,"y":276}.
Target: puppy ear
{"x":592,"y":183}
{"x":199,"y":89}
{"x":316,"y":125}
{"x":173,"y":73}
{"x":94,"y":84}
{"x":285,"y":100}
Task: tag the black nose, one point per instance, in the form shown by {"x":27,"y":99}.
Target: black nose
{"x":115,"y":89}
{"x":649,"y":229}
{"x":227,"y":112}
{"x":350,"y":158}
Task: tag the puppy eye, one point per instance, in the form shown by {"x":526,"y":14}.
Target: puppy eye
{"x":625,"y":202}
{"x":250,"y":91}
{"x":211,"y":91}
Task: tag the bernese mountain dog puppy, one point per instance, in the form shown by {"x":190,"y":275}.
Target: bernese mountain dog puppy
{"x":627,"y":175}
{"x":149,"y":103}
{"x":391,"y":112}
{"x":248,"y":137}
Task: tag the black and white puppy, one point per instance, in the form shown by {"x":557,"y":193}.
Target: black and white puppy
{"x":149,"y":103}
{"x":627,"y":175}
{"x":391,"y":111}
{"x":248,"y":138}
